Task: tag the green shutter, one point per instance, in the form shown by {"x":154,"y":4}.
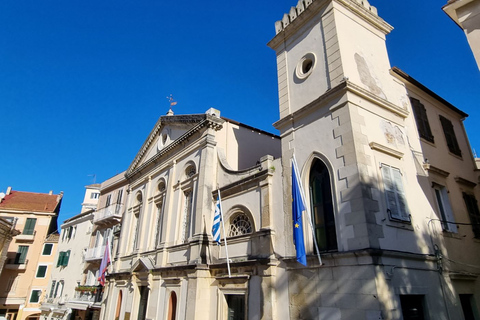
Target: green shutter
{"x":29,"y":226}
{"x":67,"y":257}
{"x":21,"y":256}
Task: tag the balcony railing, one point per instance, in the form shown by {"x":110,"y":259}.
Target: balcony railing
{"x":95,"y":253}
{"x":112,"y":212}
{"x":16,"y":264}
{"x":88,"y":294}
{"x":26,"y":237}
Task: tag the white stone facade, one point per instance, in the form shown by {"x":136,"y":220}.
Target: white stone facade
{"x":393,"y":202}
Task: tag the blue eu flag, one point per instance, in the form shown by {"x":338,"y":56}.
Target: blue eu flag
{"x":298,"y":207}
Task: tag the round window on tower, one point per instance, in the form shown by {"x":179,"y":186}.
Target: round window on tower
{"x":305,"y":66}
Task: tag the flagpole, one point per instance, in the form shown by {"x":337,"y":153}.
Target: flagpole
{"x":224,"y":234}
{"x":307,"y":207}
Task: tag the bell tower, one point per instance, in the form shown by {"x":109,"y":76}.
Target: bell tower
{"x":339,"y":105}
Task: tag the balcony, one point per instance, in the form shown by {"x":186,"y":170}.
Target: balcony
{"x":95,"y":253}
{"x":16,"y":264}
{"x":112,"y":213}
{"x":25,"y":237}
{"x":91,"y":294}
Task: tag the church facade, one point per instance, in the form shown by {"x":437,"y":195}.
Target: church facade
{"x":389,"y":178}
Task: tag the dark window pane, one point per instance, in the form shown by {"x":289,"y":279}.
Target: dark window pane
{"x":47,"y":249}
{"x":236,"y":306}
{"x":41,"y":271}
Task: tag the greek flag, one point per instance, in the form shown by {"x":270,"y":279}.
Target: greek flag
{"x":217,"y":219}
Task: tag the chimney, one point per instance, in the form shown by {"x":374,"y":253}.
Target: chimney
{"x":51,"y":192}
{"x":9,"y":190}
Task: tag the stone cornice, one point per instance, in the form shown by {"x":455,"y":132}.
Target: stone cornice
{"x":208,"y":122}
{"x":465,"y":182}
{"x":432,"y":169}
{"x":342,"y":88}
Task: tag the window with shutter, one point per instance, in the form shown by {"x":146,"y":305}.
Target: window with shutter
{"x":421,"y":119}
{"x":394,"y":193}
{"x":446,"y":212}
{"x":450,"y":137}
{"x":41,"y":272}
{"x":21,"y":256}
{"x":29,"y":226}
{"x":35,"y":296}
{"x":47,"y":249}
{"x":473,"y":212}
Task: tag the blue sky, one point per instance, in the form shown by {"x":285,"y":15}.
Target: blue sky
{"x":82,"y":82}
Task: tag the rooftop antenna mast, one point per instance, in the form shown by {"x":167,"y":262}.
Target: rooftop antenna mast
{"x":94,"y":177}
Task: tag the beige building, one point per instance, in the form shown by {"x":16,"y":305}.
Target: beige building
{"x":64,"y":294}
{"x":466,"y":14}
{"x":390,"y":181}
{"x":104,"y":231}
{"x":7,"y":232}
{"x":25,"y":275}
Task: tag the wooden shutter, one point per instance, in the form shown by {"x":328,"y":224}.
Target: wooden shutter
{"x":421,"y":119}
{"x":450,"y":136}
{"x":394,"y":193}
{"x":472,"y":208}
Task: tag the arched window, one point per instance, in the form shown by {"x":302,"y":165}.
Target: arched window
{"x":239,"y":225}
{"x":322,"y":207}
{"x":190,"y":171}
{"x":172,"y":306}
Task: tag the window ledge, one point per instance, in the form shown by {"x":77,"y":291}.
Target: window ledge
{"x":380,"y":147}
{"x":451,"y":234}
{"x":400,"y":224}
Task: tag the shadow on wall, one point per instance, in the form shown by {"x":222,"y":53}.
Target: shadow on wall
{"x":253,"y":145}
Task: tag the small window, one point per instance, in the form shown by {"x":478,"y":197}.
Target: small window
{"x":21,"y":256}
{"x":236,"y":306}
{"x":52,"y":289}
{"x":444,"y":208}
{"x":449,"y":132}
{"x":239,"y":225}
{"x":47,"y":249}
{"x":412,"y":307}
{"x":119,"y":196}
{"x":29,"y":226}
{"x":421,"y":119}
{"x":467,"y":301}
{"x":473,"y":212}
{"x":63,"y":258}
{"x":394,"y":193}
{"x":109,"y":200}
{"x":35,"y":296}
{"x":94,"y":195}
{"x":191,"y":171}
{"x":41,"y":272}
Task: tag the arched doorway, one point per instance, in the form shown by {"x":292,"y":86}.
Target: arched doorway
{"x":321,"y":202}
{"x":119,"y":305}
{"x":172,"y":306}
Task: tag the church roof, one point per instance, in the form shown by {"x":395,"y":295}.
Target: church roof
{"x":30,"y":201}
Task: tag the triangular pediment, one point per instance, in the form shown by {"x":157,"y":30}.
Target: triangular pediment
{"x":141,"y":265}
{"x":169,"y":132}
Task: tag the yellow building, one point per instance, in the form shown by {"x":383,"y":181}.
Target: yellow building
{"x":29,"y":260}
